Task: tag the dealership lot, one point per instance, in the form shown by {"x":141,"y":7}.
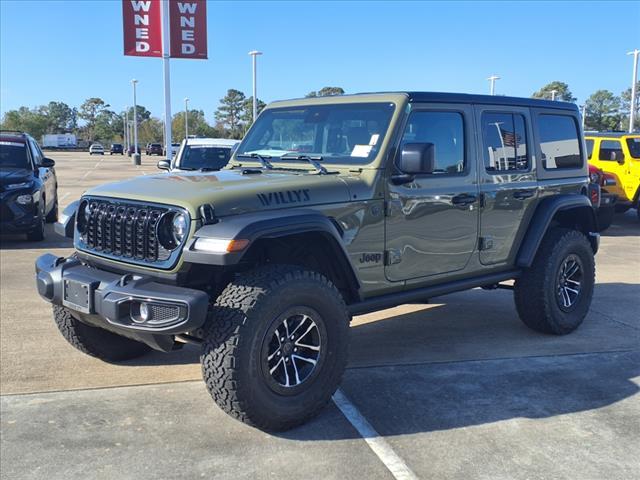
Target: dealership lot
{"x":458,"y":388}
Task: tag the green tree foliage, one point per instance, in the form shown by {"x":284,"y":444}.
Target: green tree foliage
{"x":150,"y":130}
{"x":326,"y":92}
{"x":602,"y":111}
{"x":625,"y":105}
{"x":61,"y":118}
{"x":247,"y":112}
{"x":562,"y":92}
{"x":143,"y":113}
{"x":230,"y":112}
{"x":198,"y":126}
{"x":89,"y":112}
{"x":27,"y":120}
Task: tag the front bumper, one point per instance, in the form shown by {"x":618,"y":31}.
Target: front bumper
{"x":114,"y":302}
{"x":16,"y":218}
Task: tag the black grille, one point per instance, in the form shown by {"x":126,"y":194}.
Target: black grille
{"x":124,"y":230}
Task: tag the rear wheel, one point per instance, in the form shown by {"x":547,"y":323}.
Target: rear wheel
{"x":276,"y":346}
{"x":554,"y":294}
{"x":95,"y":341}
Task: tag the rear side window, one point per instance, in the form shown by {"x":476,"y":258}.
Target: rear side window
{"x":446,"y":131}
{"x":589,"y":143}
{"x":504,"y":141}
{"x":610,"y":150}
{"x":559,"y":142}
{"x":633,"y":144}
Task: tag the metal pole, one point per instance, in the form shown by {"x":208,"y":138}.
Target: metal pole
{"x":553,"y":95}
{"x":166,"y":53}
{"x":125,"y":128}
{"x":186,"y":118}
{"x":254,"y":54}
{"x":633,"y":88}
{"x":136,"y":154}
{"x":584,"y":114}
{"x":493,"y":79}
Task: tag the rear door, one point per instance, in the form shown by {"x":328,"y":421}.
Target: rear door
{"x":508,"y":185}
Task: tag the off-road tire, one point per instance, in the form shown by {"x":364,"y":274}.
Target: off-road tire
{"x":232,"y":352}
{"x":535,"y":290}
{"x":52,"y":216}
{"x":95,"y":341}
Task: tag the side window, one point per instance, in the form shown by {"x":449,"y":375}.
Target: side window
{"x":36,"y":155}
{"x":590,"y":145}
{"x":610,"y":150}
{"x":445,"y":130}
{"x":559,"y":142}
{"x":504,"y":142}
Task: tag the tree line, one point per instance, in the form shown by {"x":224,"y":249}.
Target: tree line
{"x":95,"y":121}
{"x":604,"y":111}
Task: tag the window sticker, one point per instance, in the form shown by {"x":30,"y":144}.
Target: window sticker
{"x":361,"y":151}
{"x":374,"y":139}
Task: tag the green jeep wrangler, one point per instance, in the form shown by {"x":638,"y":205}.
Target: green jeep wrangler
{"x":330,"y":207}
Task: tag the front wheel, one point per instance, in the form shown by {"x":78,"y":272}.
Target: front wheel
{"x":95,"y":341}
{"x":554,"y":294}
{"x":276,"y":346}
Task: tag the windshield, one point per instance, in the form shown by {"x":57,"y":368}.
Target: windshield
{"x":13,"y":155}
{"x":339,"y":133}
{"x":634,"y":146}
{"x":198,"y":157}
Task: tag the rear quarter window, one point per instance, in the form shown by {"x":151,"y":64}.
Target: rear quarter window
{"x":590,"y":145}
{"x":559,"y":142}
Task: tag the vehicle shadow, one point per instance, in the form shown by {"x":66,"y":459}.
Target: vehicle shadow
{"x":470,"y":362}
{"x":624,"y":225}
{"x":19,"y":242}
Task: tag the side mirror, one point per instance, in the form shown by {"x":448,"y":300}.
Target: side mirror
{"x":416,"y":158}
{"x":47,"y":163}
{"x":164,"y":165}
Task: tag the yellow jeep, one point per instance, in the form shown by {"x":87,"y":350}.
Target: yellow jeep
{"x":618,"y":154}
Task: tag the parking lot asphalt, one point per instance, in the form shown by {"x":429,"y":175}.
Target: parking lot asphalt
{"x":458,"y":388}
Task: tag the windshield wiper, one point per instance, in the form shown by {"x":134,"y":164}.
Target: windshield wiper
{"x":263,"y":159}
{"x":312,"y":160}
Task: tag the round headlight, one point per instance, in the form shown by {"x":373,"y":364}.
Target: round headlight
{"x":82,"y":216}
{"x":179,"y":227}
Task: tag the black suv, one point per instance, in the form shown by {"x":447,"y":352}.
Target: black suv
{"x":116,"y":148}
{"x":28,"y":186}
{"x":330,"y":207}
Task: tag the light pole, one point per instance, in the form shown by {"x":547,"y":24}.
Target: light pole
{"x":583,"y":109}
{"x":493,"y":79}
{"x":254,"y":54}
{"x":633,"y":88}
{"x":136,"y":154}
{"x":186,"y":118}
{"x":553,"y":95}
{"x":125,"y":131}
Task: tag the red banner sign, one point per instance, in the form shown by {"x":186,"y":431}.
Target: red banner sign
{"x":142,"y":20}
{"x":188,"y":28}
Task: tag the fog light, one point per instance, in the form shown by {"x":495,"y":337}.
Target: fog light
{"x":145,"y":312}
{"x":24,"y":199}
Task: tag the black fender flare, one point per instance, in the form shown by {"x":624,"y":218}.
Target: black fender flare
{"x":264,"y":225}
{"x":542,"y":217}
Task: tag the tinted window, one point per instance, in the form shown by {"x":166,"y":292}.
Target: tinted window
{"x":633,"y":144}
{"x":504,"y":141}
{"x":13,"y":155}
{"x":611,"y":150}
{"x":205,"y":157}
{"x":589,"y":143}
{"x":559,"y":142}
{"x":446,"y":131}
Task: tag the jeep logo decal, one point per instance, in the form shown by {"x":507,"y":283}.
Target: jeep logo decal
{"x":283,"y":198}
{"x":370,"y":258}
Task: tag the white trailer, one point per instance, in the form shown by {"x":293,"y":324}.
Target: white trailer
{"x":59,"y":140}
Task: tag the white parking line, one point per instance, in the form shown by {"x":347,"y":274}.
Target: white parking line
{"x":378,"y":444}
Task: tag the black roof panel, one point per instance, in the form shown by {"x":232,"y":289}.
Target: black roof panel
{"x":441,"y":97}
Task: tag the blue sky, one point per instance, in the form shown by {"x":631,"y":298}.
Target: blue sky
{"x":71,"y":50}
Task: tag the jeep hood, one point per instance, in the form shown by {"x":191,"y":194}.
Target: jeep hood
{"x":230,"y":191}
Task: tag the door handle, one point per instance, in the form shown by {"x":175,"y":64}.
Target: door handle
{"x":463,"y":199}
{"x":523,"y":194}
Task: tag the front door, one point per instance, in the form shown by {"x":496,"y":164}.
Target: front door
{"x":432,"y":219}
{"x":508,"y":185}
